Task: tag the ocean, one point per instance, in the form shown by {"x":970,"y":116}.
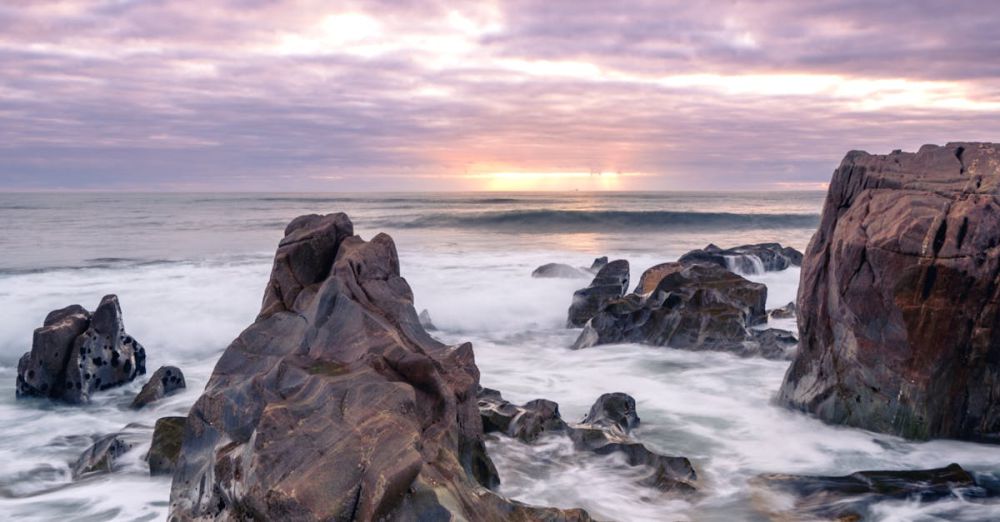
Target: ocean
{"x":190,"y":271}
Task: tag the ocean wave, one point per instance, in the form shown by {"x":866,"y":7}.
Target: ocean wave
{"x":606,"y":220}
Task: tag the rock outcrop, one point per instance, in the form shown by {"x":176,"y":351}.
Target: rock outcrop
{"x":76,"y":353}
{"x":747,"y":259}
{"x":690,"y":306}
{"x":336,"y":405}
{"x":848,"y":497}
{"x":166,"y":445}
{"x":163,"y":382}
{"x":611,"y":282}
{"x":899,"y":300}
{"x":559,"y":271}
{"x":605,"y":430}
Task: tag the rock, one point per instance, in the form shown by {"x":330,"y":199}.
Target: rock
{"x":605,"y":430}
{"x":101,"y":456}
{"x":559,"y":271}
{"x":76,"y":353}
{"x":689,"y":306}
{"x":785,"y":312}
{"x":848,"y":497}
{"x":166,"y":445}
{"x":598,"y":264}
{"x":163,"y":382}
{"x":611,"y":282}
{"x":425,"y":321}
{"x":335,"y":404}
{"x":771,"y":343}
{"x":900,"y":297}
{"x":747,"y":259}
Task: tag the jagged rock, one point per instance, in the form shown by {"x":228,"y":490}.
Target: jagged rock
{"x":848,"y":497}
{"x":337,"y":405}
{"x":559,"y":271}
{"x":163,"y":382}
{"x":76,"y":353}
{"x":611,"y":282}
{"x":425,"y":321}
{"x":785,"y":312}
{"x":747,"y":259}
{"x":100,"y":457}
{"x":605,"y":430}
{"x":900,"y":298}
{"x":166,"y":445}
{"x":598,"y":264}
{"x":689,"y":306}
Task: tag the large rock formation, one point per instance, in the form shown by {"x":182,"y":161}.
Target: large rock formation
{"x":336,"y":405}
{"x":690,"y":306}
{"x":900,"y":296}
{"x":747,"y":259}
{"x":611,"y":282}
{"x":76,"y":353}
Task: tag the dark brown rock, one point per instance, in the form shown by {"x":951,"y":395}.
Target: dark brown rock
{"x":337,"y":405}
{"x":163,"y":382}
{"x":166,"y":446}
{"x":747,"y":259}
{"x":689,"y":306}
{"x":76,"y":353}
{"x":611,"y":282}
{"x":526,"y":423}
{"x":900,"y":296}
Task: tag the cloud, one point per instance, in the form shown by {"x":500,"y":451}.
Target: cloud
{"x":309,"y":95}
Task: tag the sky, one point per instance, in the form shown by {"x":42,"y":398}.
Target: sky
{"x":313,"y":95}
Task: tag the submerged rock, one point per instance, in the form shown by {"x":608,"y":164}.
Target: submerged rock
{"x":166,"y":445}
{"x":102,"y":455}
{"x":689,"y":306}
{"x":848,"y":497}
{"x":337,"y":405}
{"x":76,"y":353}
{"x":163,"y":382}
{"x":785,"y":312}
{"x":900,"y":296}
{"x":747,"y":259}
{"x":559,"y":271}
{"x":605,"y":430}
{"x":611,"y":282}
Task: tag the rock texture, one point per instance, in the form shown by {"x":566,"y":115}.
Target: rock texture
{"x":76,"y":353}
{"x":336,"y":405}
{"x":166,"y":445}
{"x":847,"y":498}
{"x":611,"y":282}
{"x":605,"y":430}
{"x":900,"y":296}
{"x":689,"y":306}
{"x":163,"y":382}
{"x":747,"y":259}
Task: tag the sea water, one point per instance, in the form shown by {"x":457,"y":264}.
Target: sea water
{"x":190,"y":271}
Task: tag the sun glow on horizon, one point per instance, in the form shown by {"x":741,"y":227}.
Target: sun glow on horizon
{"x":558,"y":180}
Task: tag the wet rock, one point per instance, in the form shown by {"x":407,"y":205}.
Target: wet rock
{"x":166,"y":445}
{"x":425,"y":321}
{"x":771,"y":343}
{"x":75,"y":354}
{"x":688,"y":306}
{"x":163,"y":382}
{"x":559,"y":271}
{"x":848,"y":497}
{"x":598,"y":264}
{"x":102,"y":455}
{"x":747,"y":259}
{"x":605,"y":430}
{"x":335,"y":404}
{"x":611,"y":282}
{"x":900,"y":302}
{"x":785,"y":312}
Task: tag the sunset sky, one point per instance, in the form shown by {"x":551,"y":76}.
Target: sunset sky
{"x":330,"y":96}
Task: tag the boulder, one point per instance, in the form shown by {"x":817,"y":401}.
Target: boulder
{"x":605,"y":430}
{"x":102,"y":455}
{"x":163,"y":382}
{"x":611,"y":282}
{"x":425,"y":321}
{"x":166,"y":445}
{"x":747,"y":259}
{"x":689,"y":306}
{"x":559,"y":271}
{"x":849,"y":497}
{"x":76,"y":353}
{"x":785,"y":312}
{"x":899,"y":300}
{"x":598,"y":264}
{"x":335,"y":404}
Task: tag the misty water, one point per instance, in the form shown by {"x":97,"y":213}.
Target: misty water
{"x":190,"y":272}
